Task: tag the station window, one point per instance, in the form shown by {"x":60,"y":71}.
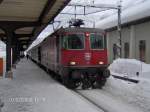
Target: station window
{"x":142,"y":50}
{"x":126,"y":50}
{"x":97,"y":41}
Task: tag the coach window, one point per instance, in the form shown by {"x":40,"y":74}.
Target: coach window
{"x":142,"y":50}
{"x":75,"y":41}
{"x":97,"y":41}
{"x":126,"y":50}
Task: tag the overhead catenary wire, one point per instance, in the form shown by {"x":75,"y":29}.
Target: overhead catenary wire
{"x":103,"y":7}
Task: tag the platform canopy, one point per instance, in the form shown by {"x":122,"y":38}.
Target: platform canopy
{"x":27,"y":18}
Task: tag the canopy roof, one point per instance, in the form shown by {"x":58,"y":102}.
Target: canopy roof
{"x":29,"y":17}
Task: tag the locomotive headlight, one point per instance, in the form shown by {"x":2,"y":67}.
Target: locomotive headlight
{"x":72,"y":63}
{"x":101,"y":62}
{"x":87,"y":34}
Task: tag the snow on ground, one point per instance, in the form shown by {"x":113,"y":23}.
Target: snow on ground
{"x":136,"y":94}
{"x":32,"y":90}
{"x":109,"y":102}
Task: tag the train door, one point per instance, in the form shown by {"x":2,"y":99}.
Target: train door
{"x":39,"y":54}
{"x":142,"y":50}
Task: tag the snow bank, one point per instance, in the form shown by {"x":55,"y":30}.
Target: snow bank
{"x":130,"y":68}
{"x":137,"y":94}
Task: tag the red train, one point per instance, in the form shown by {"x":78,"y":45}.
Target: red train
{"x":77,"y":55}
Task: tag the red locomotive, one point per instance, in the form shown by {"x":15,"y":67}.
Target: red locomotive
{"x":77,"y":55}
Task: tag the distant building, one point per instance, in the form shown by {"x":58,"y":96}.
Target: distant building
{"x":135,"y":32}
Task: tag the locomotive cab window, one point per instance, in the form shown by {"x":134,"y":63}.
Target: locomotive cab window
{"x":97,"y":41}
{"x":64,"y":42}
{"x":73,"y":41}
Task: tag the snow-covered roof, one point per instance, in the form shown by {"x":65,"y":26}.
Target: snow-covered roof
{"x":136,"y":12}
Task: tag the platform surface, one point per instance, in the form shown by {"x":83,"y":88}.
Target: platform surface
{"x":33,"y":90}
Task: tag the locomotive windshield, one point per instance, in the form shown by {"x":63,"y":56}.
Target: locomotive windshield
{"x":73,"y":41}
{"x":97,"y":41}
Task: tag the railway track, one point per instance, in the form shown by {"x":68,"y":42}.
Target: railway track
{"x":106,"y":102}
{"x":91,"y":101}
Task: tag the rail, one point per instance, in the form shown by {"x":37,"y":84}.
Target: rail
{"x":90,"y":101}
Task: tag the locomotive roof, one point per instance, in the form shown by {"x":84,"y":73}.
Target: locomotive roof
{"x":80,"y":29}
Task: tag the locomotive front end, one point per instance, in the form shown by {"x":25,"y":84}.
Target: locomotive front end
{"x":84,"y":59}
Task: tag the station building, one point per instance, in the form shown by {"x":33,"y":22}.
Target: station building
{"x":135,"y":32}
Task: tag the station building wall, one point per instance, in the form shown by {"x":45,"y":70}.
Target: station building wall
{"x":137,"y":40}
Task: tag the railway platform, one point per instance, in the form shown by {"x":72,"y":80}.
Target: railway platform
{"x":33,"y":90}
